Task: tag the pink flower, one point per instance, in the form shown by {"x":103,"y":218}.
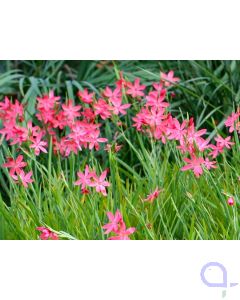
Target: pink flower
{"x":6,"y":104}
{"x":177,"y":131}
{"x":118,"y":107}
{"x":135,"y":89}
{"x":151,"y":197}
{"x":94,"y":140}
{"x":90,"y":179}
{"x":118,"y":227}
{"x":38,"y":145}
{"x":71,"y":111}
{"x":114,"y":95}
{"x":233,"y":121}
{"x":159,"y":87}
{"x":231,"y":201}
{"x":113,"y":225}
{"x":195,"y":164}
{"x":202,"y":144}
{"x":102,"y":109}
{"x":47,"y":234}
{"x":15,"y":165}
{"x":25,"y":178}
{"x":157,"y":100}
{"x":88,"y":113}
{"x":48,"y":101}
{"x":221,"y":142}
{"x":121,"y":83}
{"x":85,"y":178}
{"x":169,"y":79}
{"x":123,"y":233}
{"x":210,"y":164}
{"x":216,"y":151}
{"x":192,"y":134}
{"x":11,"y":112}
{"x":85,"y":96}
{"x":100,"y":183}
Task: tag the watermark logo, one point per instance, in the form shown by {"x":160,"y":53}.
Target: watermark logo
{"x":222,"y":271}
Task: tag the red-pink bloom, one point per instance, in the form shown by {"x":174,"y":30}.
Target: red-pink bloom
{"x":47,"y":234}
{"x":113,"y":225}
{"x":71,"y":111}
{"x":123,"y":233}
{"x":192,"y":134}
{"x":159,"y":87}
{"x":135,"y":89}
{"x":195,"y":163}
{"x":90,"y":179}
{"x":118,"y":227}
{"x":5,"y":105}
{"x":94,"y":140}
{"x":47,"y":106}
{"x":231,"y":201}
{"x":119,"y":108}
{"x":47,"y":101}
{"x":85,"y":96}
{"x":151,"y":197}
{"x":46,"y":116}
{"x":20,"y":135}
{"x":203,"y":144}
{"x":60,"y":120}
{"x":11,"y":112}
{"x":32,"y":130}
{"x":38,"y":145}
{"x":85,"y":178}
{"x":114,"y":95}
{"x":25,"y":178}
{"x":15,"y":165}
{"x":84,"y":134}
{"x":233,"y":121}
{"x":89,"y":114}
{"x":221,"y":142}
{"x":176,"y":130}
{"x":8,"y":129}
{"x":15,"y":111}
{"x":100,"y":183}
{"x":103,"y":109}
{"x":156,"y":99}
{"x":169,"y":79}
{"x":210,"y":164}
{"x":121,"y":83}
{"x":215,"y":151}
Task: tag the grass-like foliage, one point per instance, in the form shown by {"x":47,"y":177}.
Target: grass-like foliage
{"x":119,"y":150}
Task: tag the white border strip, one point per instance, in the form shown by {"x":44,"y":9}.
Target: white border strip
{"x":107,"y":270}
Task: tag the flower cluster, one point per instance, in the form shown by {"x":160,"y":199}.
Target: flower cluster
{"x":74,"y":127}
{"x":117,"y":226}
{"x":78,"y":122}
{"x":12,"y":115}
{"x":70,"y":127}
{"x":17,"y":172}
{"x":155,"y":120}
{"x":90,"y":179}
